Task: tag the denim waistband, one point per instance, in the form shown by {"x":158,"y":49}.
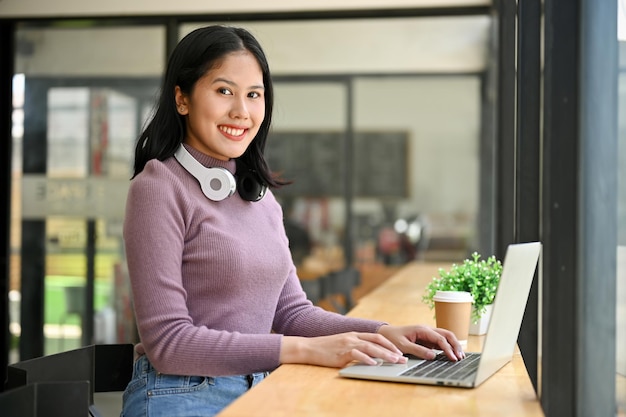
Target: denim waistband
{"x":142,"y":366}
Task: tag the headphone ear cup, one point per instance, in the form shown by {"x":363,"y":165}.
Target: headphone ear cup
{"x":249,"y":187}
{"x":218,"y":184}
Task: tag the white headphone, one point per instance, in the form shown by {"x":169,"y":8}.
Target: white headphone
{"x":218,"y":183}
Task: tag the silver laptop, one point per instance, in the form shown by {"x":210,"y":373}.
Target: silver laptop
{"x":518,"y":270}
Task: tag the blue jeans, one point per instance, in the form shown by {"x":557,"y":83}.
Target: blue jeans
{"x":153,"y":394}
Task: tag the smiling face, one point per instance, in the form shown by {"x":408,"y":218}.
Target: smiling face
{"x":225,"y":108}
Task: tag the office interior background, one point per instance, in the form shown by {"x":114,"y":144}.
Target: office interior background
{"x":387,"y":119}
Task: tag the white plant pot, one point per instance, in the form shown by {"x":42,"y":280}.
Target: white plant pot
{"x":480,"y":327}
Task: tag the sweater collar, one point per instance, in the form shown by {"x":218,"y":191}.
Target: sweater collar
{"x":210,"y":162}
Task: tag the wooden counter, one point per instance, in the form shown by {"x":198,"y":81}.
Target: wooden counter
{"x":304,"y":390}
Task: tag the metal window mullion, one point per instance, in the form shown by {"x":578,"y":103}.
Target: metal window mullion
{"x":505,"y":142}
{"x":527,"y":172}
{"x":579,"y":203}
{"x":597,"y":254}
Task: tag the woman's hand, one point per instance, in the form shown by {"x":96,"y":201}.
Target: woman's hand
{"x":339,"y":350}
{"x":420,"y":340}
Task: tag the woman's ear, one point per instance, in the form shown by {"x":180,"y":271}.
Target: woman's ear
{"x":181,"y":101}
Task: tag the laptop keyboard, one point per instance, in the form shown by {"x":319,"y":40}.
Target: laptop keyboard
{"x":443,"y":368}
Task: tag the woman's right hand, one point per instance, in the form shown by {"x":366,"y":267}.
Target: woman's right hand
{"x":339,"y":350}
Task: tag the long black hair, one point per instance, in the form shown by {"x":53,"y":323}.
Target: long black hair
{"x":195,"y":54}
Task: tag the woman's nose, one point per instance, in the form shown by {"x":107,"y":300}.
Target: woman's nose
{"x":239,"y":109}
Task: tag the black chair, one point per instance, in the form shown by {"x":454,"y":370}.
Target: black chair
{"x":47,"y":399}
{"x":314,"y":289}
{"x":338,"y":288}
{"x":105,"y":368}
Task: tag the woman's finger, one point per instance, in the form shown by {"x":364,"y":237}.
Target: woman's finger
{"x":380,"y":340}
{"x":445,"y":341}
{"x":453,"y":342}
{"x":359,"y":356}
{"x":427,"y":338}
{"x":375,"y":351}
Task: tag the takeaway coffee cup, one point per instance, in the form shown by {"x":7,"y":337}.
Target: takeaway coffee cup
{"x":452,"y":311}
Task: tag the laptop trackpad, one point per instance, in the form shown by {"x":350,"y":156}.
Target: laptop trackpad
{"x":381,"y":369}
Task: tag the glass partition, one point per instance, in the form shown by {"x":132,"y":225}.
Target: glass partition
{"x":306,"y":146}
{"x":84,"y":94}
{"x":431,"y":216}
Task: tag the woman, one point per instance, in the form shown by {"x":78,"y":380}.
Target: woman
{"x":217,"y":300}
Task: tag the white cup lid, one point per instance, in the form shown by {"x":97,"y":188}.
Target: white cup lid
{"x":453,"y":297}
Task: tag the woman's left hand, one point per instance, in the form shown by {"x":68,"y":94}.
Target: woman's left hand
{"x":420,"y":341}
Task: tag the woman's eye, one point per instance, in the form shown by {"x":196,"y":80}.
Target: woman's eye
{"x":254,"y":94}
{"x":224,"y":91}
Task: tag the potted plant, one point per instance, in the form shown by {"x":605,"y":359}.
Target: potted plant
{"x":480,"y":277}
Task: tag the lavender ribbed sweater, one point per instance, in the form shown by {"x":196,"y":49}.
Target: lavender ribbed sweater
{"x":214,"y":286}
